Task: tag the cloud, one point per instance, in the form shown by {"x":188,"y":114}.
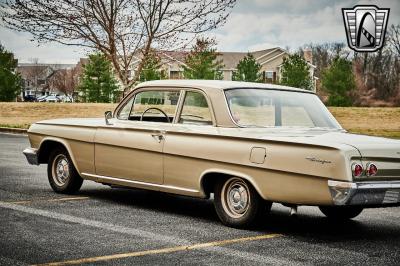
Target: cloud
{"x":252,"y":25}
{"x":261,"y":24}
{"x":24,"y":49}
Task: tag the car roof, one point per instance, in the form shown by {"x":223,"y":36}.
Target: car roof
{"x":215,"y":84}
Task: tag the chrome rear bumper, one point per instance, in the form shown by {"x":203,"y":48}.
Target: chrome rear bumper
{"x":31,"y":155}
{"x":365,"y":193}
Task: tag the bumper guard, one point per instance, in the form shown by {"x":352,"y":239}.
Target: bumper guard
{"x":365,"y":193}
{"x":31,"y":155}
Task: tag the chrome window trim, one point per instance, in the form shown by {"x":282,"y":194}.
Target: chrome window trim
{"x":136,"y":92}
{"x":209,"y":106}
{"x":179,"y":104}
{"x":272,"y":89}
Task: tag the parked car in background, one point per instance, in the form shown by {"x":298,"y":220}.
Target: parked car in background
{"x":50,"y":99}
{"x":40,"y":98}
{"x":29,"y":98}
{"x":249,"y":144}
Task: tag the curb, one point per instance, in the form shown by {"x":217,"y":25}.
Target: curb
{"x":13,"y":130}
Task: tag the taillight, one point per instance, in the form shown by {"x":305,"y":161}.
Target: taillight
{"x":357,"y":169}
{"x":371,"y":169}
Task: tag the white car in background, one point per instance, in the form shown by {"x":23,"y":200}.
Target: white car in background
{"x":51,"y":99}
{"x":41,"y":98}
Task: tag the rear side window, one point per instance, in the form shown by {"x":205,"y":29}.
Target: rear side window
{"x":195,"y":109}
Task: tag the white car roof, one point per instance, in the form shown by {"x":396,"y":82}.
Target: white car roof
{"x":215,"y":84}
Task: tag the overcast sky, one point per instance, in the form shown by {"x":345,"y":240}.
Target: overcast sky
{"x":252,"y":25}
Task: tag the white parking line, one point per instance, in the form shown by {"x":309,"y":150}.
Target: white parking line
{"x":93,"y":223}
{"x":46,"y":200}
{"x":144,"y":234}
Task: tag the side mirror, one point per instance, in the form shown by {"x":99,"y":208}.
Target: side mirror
{"x":108,"y":116}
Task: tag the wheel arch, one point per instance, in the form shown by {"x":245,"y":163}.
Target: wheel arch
{"x":50,"y":143}
{"x":209,"y":178}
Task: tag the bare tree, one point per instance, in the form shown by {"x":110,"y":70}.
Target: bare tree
{"x":64,"y":80}
{"x":323,"y":54}
{"x":380,"y":71}
{"x":34,"y":74}
{"x":394,"y":38}
{"x":124,"y":30}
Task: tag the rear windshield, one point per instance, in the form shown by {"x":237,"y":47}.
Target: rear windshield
{"x":273,"y":108}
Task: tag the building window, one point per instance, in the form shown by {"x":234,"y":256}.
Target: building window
{"x":269,"y":76}
{"x":175,"y":74}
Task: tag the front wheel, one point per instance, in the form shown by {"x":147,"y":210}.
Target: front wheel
{"x":341,"y":212}
{"x":237,"y":203}
{"x":63,"y":177}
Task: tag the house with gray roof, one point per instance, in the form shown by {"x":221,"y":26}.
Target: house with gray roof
{"x":36,"y":77}
{"x":270,"y":60}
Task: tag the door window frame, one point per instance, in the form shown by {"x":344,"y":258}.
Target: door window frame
{"x":209,"y":106}
{"x":179,"y":105}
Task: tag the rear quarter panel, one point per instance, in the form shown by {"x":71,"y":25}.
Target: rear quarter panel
{"x":286,"y":175}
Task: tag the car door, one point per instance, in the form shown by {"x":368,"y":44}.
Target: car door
{"x":187,"y":141}
{"x":131,"y":147}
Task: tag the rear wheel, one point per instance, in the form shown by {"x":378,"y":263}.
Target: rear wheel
{"x":63,"y":177}
{"x":341,"y":212}
{"x":237,"y":203}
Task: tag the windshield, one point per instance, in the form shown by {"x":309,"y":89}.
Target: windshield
{"x":271,"y":108}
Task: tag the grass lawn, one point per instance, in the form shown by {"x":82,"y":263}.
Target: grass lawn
{"x":370,"y":121}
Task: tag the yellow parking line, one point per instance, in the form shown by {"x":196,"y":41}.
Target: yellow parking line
{"x":160,"y":251}
{"x":46,"y":200}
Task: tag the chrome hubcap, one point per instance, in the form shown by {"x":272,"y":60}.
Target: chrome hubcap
{"x":236,"y":198}
{"x":60,"y":170}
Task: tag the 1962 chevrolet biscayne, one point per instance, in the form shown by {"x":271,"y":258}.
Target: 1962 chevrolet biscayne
{"x":250,"y":144}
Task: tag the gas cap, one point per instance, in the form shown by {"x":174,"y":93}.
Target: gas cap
{"x":257,"y":155}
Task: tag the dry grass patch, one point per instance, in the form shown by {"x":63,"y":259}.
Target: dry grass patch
{"x":21,"y":115}
{"x":371,"y":121}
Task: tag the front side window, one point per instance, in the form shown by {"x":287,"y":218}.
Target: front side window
{"x":126,"y":110}
{"x":155,"y":106}
{"x":265,"y":108}
{"x":195,"y":109}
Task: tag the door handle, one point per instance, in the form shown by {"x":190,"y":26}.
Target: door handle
{"x":158,"y":136}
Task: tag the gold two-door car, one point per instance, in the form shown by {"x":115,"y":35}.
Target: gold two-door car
{"x":248,"y":144}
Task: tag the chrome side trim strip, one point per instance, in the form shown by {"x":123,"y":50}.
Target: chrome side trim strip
{"x":131,"y":182}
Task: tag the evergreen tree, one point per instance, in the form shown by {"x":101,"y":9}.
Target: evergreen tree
{"x":151,"y":68}
{"x":295,"y":72}
{"x":10,"y":82}
{"x":338,"y":80}
{"x":98,"y":83}
{"x":201,"y":62}
{"x":247,"y":70}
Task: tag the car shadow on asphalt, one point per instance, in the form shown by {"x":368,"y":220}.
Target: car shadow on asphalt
{"x":308,"y":225}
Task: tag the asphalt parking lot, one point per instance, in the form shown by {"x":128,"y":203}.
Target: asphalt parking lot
{"x":103,"y":225}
